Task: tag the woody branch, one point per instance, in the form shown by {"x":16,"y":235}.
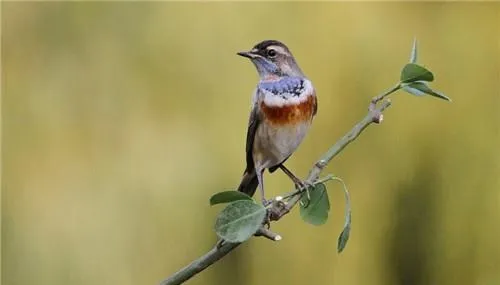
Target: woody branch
{"x":279,"y":207}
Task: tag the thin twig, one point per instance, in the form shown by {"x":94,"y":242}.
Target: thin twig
{"x":265,"y":232}
{"x":279,"y":207}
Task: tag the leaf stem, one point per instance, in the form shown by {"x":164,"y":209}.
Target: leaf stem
{"x":377,"y":99}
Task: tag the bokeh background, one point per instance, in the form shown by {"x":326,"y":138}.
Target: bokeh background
{"x":121,"y":119}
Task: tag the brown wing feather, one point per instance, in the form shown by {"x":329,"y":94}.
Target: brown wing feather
{"x":253,"y":124}
{"x":249,"y":181}
{"x":315,"y":104}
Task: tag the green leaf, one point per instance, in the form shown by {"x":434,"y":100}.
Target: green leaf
{"x":413,"y":55}
{"x":239,"y":220}
{"x":421,"y":88}
{"x":344,"y":235}
{"x":227,"y":197}
{"x":315,"y":210}
{"x":413,"y":72}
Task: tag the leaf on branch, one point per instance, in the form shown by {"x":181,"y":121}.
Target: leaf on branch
{"x":344,"y":235}
{"x":413,"y":72}
{"x":315,"y":210}
{"x":421,"y":88}
{"x":227,"y":197}
{"x":240,"y":220}
{"x":413,"y":55}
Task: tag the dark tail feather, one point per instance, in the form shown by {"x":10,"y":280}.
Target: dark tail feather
{"x":249,"y":183}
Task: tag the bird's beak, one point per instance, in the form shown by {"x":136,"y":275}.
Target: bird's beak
{"x":247,"y":54}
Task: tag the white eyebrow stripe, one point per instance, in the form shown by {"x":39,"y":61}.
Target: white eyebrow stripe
{"x":278,"y":49}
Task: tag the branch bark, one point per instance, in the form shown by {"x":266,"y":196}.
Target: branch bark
{"x":280,"y":208}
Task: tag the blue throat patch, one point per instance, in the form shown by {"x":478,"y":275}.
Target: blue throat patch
{"x":285,"y":87}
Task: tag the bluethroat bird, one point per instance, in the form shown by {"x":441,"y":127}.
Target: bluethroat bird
{"x":283,"y":106}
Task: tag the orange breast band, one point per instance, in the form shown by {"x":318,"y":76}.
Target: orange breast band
{"x":289,"y":114}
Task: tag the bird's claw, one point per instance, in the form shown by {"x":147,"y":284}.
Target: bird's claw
{"x":266,"y":202}
{"x":305,"y":185}
{"x":267,"y":220}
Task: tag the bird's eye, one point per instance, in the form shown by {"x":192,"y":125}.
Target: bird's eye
{"x":271,"y":53}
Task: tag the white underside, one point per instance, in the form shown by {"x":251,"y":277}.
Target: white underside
{"x":272,"y":144}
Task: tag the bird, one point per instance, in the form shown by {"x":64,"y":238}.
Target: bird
{"x":284,"y":104}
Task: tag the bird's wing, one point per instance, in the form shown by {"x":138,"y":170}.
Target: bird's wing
{"x":253,"y":124}
{"x":315,"y":108}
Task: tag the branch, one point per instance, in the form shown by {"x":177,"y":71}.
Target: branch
{"x":279,"y":208}
{"x":374,"y":116}
{"x":216,"y":253}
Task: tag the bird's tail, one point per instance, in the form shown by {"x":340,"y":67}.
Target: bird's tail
{"x":249,"y":183}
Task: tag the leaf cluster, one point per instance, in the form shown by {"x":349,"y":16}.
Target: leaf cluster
{"x":415,"y":78}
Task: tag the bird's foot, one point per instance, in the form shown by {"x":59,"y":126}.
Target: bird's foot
{"x":267,"y":220}
{"x":266,"y":202}
{"x":304,"y":186}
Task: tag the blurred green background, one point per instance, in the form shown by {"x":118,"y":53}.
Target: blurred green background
{"x":120,"y":120}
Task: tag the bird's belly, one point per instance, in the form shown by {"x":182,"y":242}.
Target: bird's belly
{"x":273,"y":144}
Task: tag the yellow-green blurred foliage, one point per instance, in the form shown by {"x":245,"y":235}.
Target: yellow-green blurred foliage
{"x":121,"y":119}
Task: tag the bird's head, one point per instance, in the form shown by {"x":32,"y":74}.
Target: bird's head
{"x":272,"y":59}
